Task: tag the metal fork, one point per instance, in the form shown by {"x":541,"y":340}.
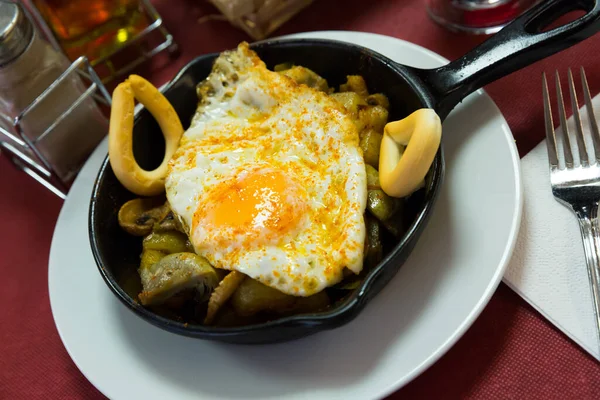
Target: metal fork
{"x":577,"y":185}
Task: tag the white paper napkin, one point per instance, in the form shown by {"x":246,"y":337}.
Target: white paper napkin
{"x":548,"y":266}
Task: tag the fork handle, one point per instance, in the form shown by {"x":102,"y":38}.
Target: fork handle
{"x":588,"y":223}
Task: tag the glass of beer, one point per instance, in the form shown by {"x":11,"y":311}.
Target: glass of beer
{"x":94,"y":28}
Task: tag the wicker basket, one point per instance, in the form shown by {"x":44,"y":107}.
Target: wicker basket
{"x":259,"y":18}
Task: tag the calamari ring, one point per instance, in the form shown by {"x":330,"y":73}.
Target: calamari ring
{"x":407,"y":151}
{"x":120,"y":135}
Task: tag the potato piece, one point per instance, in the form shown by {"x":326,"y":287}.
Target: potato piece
{"x":351,"y":102}
{"x":355,"y":83}
{"x":168,"y":242}
{"x":370,"y":143}
{"x":253,"y":297}
{"x":378,"y":99}
{"x":310,"y":304}
{"x":372,"y":178}
{"x":382,"y":206}
{"x":283,"y":66}
{"x":302,"y":75}
{"x":374,"y":117}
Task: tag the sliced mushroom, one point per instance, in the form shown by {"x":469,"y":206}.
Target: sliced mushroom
{"x":168,"y":223}
{"x":222,"y":293}
{"x":174,"y":274}
{"x":138,"y":216}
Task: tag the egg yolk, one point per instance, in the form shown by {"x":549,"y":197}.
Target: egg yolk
{"x":260,"y":206}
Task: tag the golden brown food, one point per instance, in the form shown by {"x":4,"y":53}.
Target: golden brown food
{"x":120,"y":136}
{"x":370,"y":142}
{"x":378,"y":99}
{"x":306,"y":77}
{"x":408,"y":149}
{"x":351,"y":101}
{"x":374,"y":118}
{"x":355,"y":83}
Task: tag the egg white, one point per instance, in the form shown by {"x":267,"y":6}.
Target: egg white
{"x":251,"y":120}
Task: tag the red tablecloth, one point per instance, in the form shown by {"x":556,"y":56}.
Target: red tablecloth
{"x":510,"y":352}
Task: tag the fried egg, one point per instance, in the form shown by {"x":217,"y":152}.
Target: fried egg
{"x":269,"y":179}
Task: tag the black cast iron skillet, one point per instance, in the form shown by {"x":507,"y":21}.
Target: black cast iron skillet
{"x":516,"y":46}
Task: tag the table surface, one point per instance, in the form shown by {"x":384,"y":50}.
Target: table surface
{"x":509,"y":352}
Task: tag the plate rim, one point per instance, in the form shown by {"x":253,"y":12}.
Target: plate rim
{"x":477,"y":308}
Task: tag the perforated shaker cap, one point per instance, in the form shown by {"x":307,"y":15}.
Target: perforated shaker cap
{"x":16,"y":32}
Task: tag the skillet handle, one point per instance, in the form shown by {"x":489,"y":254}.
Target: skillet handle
{"x":516,"y":46}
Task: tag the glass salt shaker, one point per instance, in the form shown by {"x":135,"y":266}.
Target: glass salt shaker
{"x":28,"y":66}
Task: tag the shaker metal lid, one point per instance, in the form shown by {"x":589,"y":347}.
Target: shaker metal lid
{"x":16,"y":32}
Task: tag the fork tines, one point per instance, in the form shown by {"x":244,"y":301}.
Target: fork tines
{"x":567,"y":136}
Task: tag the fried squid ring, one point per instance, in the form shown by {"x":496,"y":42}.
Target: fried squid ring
{"x":407,"y":151}
{"x":120,"y":135}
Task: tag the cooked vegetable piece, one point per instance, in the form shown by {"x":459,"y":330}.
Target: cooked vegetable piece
{"x":374,"y":117}
{"x":355,"y":83}
{"x":381,"y":205}
{"x":283,"y":66}
{"x":228,"y":318}
{"x":394,"y":225}
{"x":372,"y":257}
{"x":150,"y":257}
{"x":307,"y":77}
{"x":253,"y":297}
{"x":175,"y":273}
{"x":351,"y":102}
{"x":372,"y":178}
{"x":378,"y":99}
{"x":373,"y":247}
{"x":138,"y":216}
{"x":314,"y":303}
{"x":370,"y":142}
{"x":222,"y":293}
{"x":168,"y":223}
{"x":168,"y":241}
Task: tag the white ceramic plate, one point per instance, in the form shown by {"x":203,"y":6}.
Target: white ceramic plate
{"x":450,"y":276}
